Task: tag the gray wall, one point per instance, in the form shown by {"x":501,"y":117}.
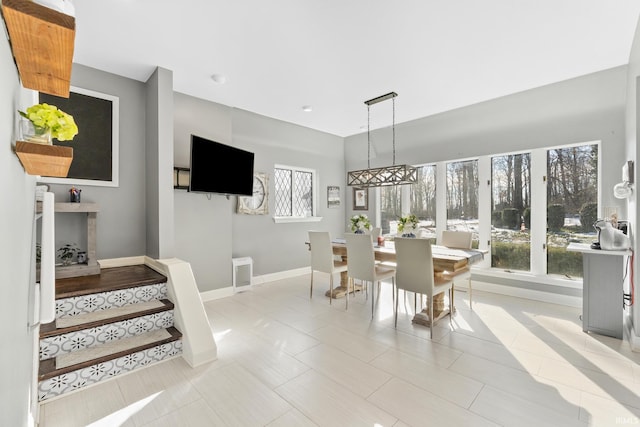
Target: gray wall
{"x":159,"y":165}
{"x":16,"y":225}
{"x":202,"y":224}
{"x":121,"y":222}
{"x":583,"y":109}
{"x":208,"y":231}
{"x":277,"y":247}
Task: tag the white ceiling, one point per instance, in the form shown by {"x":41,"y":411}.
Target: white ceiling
{"x":279,"y":55}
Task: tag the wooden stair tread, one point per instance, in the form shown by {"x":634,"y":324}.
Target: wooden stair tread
{"x":103,"y":317}
{"x":109,"y":279}
{"x":48,"y":367}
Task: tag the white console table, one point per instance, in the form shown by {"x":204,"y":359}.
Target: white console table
{"x":602,"y":289}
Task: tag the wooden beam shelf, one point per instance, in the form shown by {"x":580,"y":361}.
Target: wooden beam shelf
{"x":44,"y":160}
{"x":42,"y":41}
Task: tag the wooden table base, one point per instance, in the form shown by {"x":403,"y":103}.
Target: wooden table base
{"x":422,"y":318}
{"x":439,"y":311}
{"x":340,"y":291}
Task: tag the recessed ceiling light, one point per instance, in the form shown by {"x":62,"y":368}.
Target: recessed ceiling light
{"x":307,"y":108}
{"x":219,"y":78}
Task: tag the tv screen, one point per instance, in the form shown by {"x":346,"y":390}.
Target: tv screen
{"x":220,"y":168}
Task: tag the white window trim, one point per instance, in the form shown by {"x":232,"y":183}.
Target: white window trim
{"x":314,"y":201}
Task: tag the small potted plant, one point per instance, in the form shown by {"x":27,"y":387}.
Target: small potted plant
{"x":45,"y":122}
{"x":407,"y":225}
{"x":67,"y":252}
{"x":359,"y":223}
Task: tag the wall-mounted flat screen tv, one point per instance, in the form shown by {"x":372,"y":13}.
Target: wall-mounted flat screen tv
{"x":220,"y":168}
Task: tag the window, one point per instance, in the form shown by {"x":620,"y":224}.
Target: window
{"x":423,"y":198}
{"x":294,"y":192}
{"x":525,"y":207}
{"x":462,"y":196}
{"x":572,"y":205}
{"x":511,"y":212}
{"x":390,"y":208}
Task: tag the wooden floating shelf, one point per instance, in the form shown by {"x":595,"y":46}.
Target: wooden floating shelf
{"x":44,"y":160}
{"x":42,"y":42}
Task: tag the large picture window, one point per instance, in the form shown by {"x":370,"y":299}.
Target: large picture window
{"x":525,"y":212}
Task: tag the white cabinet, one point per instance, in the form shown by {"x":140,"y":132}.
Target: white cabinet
{"x":602,"y":289}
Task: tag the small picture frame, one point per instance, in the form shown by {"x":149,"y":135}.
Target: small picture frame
{"x":360,"y":199}
{"x":333,"y":196}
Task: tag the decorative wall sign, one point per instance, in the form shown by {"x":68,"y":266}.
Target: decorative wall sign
{"x":333,"y":196}
{"x":96,"y":146}
{"x":258,"y":204}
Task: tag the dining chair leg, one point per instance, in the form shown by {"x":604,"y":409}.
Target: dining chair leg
{"x":311,"y":287}
{"x":330,"y":288}
{"x":346,"y":303}
{"x":373,"y":297}
{"x":450,"y":309}
{"x":430,"y":316}
{"x":395,"y":323}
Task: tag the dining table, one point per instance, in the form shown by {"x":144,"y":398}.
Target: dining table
{"x":446,"y":261}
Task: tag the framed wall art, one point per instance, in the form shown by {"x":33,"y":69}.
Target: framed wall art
{"x":333,"y":196}
{"x":96,"y":146}
{"x":360,"y":199}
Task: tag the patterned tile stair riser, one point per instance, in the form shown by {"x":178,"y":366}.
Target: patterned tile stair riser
{"x":87,"y":338}
{"x":80,"y":378}
{"x":73,"y":306}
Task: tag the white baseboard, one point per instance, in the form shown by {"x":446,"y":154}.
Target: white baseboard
{"x":255,"y":281}
{"x":280,"y":275}
{"x":527,"y":293}
{"x":216,"y":294}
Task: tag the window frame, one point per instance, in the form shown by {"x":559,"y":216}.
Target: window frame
{"x":314,"y":196}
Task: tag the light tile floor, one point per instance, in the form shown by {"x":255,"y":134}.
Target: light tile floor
{"x":287,"y":360}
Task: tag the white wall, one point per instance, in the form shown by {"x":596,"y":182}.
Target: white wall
{"x":16,"y":250}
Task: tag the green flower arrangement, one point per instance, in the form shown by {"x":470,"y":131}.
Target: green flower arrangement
{"x":411,"y":221}
{"x":359,"y":223}
{"x":48,"y":118}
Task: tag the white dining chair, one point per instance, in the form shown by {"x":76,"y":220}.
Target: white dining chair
{"x":322,"y":259}
{"x":459,"y":240}
{"x":414,"y":273}
{"x":361,"y":265}
{"x":375,"y":233}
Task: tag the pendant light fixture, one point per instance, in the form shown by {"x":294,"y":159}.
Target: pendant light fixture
{"x":388,"y":175}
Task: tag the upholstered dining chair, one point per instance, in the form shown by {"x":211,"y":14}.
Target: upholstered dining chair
{"x":459,"y":240}
{"x":361,"y":265}
{"x":414,"y":273}
{"x":322,"y":259}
